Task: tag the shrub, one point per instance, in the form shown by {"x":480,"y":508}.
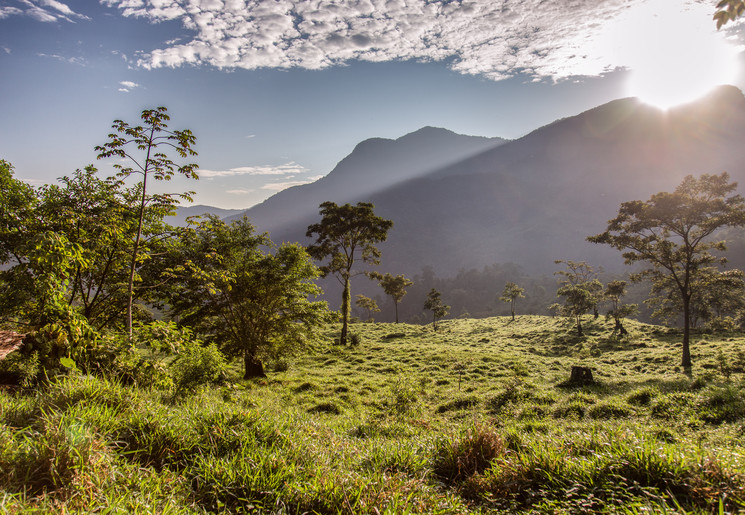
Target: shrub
{"x":355,"y":339}
{"x":197,"y":366}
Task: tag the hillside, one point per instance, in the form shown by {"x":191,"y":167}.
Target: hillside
{"x":536,"y":199}
{"x":471,"y":419}
{"x":374,"y":165}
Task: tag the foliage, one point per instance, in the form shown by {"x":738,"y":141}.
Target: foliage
{"x":435,"y":305}
{"x":253,"y":304}
{"x":196,"y":366}
{"x":581,"y":291}
{"x":728,"y":10}
{"x":393,"y":286}
{"x":367,"y":304}
{"x":510,"y":294}
{"x":672,"y":233}
{"x":614,"y":290}
{"x":152,"y":139}
{"x":344,"y":235}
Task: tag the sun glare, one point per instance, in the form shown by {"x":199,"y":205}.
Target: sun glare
{"x":674,"y":53}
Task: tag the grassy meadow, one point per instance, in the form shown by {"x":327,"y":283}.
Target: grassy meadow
{"x":471,"y":419}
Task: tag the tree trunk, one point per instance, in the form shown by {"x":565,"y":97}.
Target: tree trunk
{"x":620,"y":328}
{"x":686,"y":361}
{"x":579,"y":327}
{"x":512,"y":308}
{"x":345,"y":304}
{"x":434,"y":322}
{"x":395,"y":304}
{"x":253,"y":367}
{"x":581,"y":376}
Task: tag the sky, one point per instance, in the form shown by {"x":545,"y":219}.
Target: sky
{"x":278,"y":91}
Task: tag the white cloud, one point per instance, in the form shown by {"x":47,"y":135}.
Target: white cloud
{"x":493,"y":38}
{"x":285,"y":169}
{"x":72,"y":60}
{"x":127,"y":86}
{"x":240,"y":191}
{"x":43,"y":10}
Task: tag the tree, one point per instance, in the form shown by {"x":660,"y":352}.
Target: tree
{"x":393,"y":286}
{"x":577,"y":301}
{"x":728,"y":10}
{"x":344,"y":235}
{"x":672,"y":232}
{"x":367,"y":304}
{"x":614,"y":290}
{"x":582,"y":275}
{"x":435,"y":305}
{"x":95,"y":214}
{"x":716,"y":293}
{"x":152,"y":140}
{"x":511,"y":293}
{"x":255,"y":305}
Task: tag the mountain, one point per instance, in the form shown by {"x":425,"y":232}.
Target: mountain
{"x":374,"y":165}
{"x":182,"y":212}
{"x":529,"y":201}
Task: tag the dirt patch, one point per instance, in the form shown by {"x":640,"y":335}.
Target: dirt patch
{"x":10,"y":341}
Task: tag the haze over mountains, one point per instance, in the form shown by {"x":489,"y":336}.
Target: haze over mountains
{"x":462,"y":201}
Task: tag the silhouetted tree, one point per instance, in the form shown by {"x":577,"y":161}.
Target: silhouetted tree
{"x":672,"y":233}
{"x":344,"y":235}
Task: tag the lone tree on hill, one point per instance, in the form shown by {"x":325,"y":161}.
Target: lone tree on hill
{"x":394,"y":286}
{"x":344,"y":235}
{"x":672,"y":233}
{"x":435,"y":305}
{"x":581,"y":291}
{"x":145,"y":147}
{"x":511,"y":293}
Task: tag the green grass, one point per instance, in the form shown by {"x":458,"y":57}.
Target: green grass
{"x":470,"y":419}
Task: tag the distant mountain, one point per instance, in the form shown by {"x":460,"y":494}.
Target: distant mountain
{"x":374,"y":165}
{"x":183,"y":212}
{"x":528,"y":201}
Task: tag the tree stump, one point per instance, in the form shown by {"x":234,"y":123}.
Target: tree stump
{"x":581,"y":376}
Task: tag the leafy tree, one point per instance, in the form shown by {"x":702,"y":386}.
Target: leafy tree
{"x":435,"y":305}
{"x":672,"y":232}
{"x":18,"y":217}
{"x":716,"y":293}
{"x":253,"y":304}
{"x":95,"y":214}
{"x":582,"y":275}
{"x":367,"y":304}
{"x":145,"y":147}
{"x":344,"y":235}
{"x":393,"y":286}
{"x":614,"y":290}
{"x":510,"y":294}
{"x":577,"y":301}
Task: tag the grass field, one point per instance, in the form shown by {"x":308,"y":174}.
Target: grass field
{"x":471,"y":419}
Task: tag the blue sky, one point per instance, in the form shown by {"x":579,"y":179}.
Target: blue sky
{"x":278,"y":91}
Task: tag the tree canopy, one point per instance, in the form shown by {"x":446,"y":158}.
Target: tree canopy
{"x":674,"y":234}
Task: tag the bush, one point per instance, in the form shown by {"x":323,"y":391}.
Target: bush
{"x":197,"y":366}
{"x":355,"y":339}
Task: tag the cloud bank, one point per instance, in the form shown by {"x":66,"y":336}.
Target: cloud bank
{"x":42,"y":10}
{"x":492,"y":38}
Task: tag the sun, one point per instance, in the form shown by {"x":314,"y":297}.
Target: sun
{"x":674,"y":53}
